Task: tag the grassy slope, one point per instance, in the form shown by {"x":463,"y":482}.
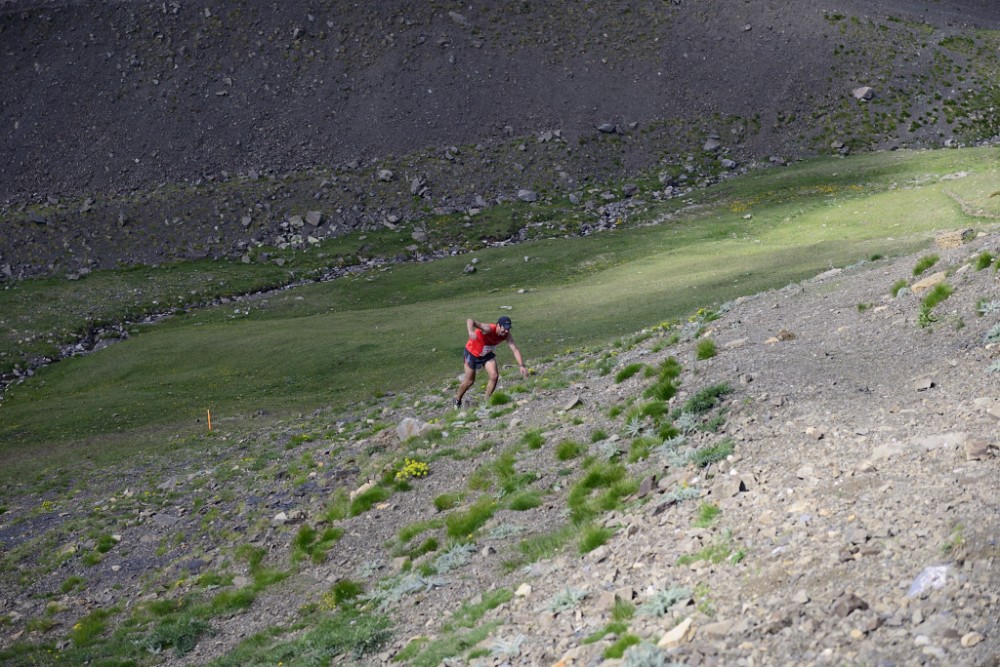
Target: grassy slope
{"x":343,"y":341}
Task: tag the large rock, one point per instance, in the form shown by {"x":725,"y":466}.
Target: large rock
{"x":928,"y":282}
{"x":411,"y":428}
{"x":527,"y":195}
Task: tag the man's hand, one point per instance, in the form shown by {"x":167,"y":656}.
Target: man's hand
{"x":524,"y":371}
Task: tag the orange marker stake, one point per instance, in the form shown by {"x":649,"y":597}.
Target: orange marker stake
{"x":209,"y":419}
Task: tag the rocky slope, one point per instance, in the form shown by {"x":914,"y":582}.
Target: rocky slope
{"x":851,"y":518}
{"x":141,"y":132}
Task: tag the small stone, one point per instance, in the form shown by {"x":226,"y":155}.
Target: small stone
{"x":573,"y":402}
{"x":971,"y":639}
{"x":600,"y":554}
{"x":848,"y":603}
{"x":523,"y":591}
{"x":718,"y":629}
{"x":863,"y":93}
{"x":977,"y":449}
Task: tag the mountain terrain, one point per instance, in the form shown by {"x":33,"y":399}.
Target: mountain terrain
{"x":819,"y":489}
{"x":148,"y":132}
{"x":803,"y":476}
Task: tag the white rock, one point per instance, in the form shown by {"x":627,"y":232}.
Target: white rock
{"x":682,"y":633}
{"x":971,"y":639}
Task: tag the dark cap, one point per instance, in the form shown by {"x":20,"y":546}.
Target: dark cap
{"x":504,"y":322}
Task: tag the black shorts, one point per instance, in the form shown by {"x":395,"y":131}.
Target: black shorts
{"x":476,"y":363}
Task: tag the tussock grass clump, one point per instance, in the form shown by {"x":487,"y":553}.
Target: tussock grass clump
{"x":706,"y":349}
{"x":925,"y":263}
{"x":541,"y":546}
{"x":181,"y":633}
{"x":499,"y":398}
{"x":365,"y":501}
{"x":593,"y":537}
{"x":620,"y":645}
{"x":627,"y":372}
{"x":525,"y":500}
{"x":533,"y":439}
{"x":898,"y":287}
{"x":601,"y":489}
{"x":569,"y":449}
{"x":983,"y":261}
{"x":640,"y":449}
{"x":707,"y":398}
{"x":342,"y":594}
{"x":665,"y":388}
{"x":939,"y":293}
{"x":462,"y":525}
{"x":87,"y":630}
{"x":313,"y":545}
{"x":447,"y":501}
{"x":501,"y":472}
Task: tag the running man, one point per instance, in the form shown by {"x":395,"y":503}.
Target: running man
{"x":479,"y":353}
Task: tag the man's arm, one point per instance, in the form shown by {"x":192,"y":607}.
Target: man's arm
{"x":472,"y":325}
{"x":517,"y":355}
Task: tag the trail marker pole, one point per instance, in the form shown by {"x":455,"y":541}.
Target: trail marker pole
{"x":209,"y":419}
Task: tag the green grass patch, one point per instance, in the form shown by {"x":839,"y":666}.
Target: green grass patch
{"x":707,"y":398}
{"x":640,"y":449}
{"x":706,"y":349}
{"x":447,"y":501}
{"x":312,"y":345}
{"x":499,"y":398}
{"x":593,"y":537}
{"x":707,"y":514}
{"x":533,"y":439}
{"x":346,"y":633}
{"x":365,"y":501}
{"x":541,"y":546}
{"x":568,"y":450}
{"x":601,"y":489}
{"x":524,"y":500}
{"x":470,"y":613}
{"x":620,"y":645}
{"x":665,"y":387}
{"x":937,"y":294}
{"x":433,"y":653}
{"x":627,"y":372}
{"x":462,"y":525}
{"x":311,"y":544}
{"x":925,"y":263}
{"x":898,"y":286}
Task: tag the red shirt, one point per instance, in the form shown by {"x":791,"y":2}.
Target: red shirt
{"x":484,"y":342}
